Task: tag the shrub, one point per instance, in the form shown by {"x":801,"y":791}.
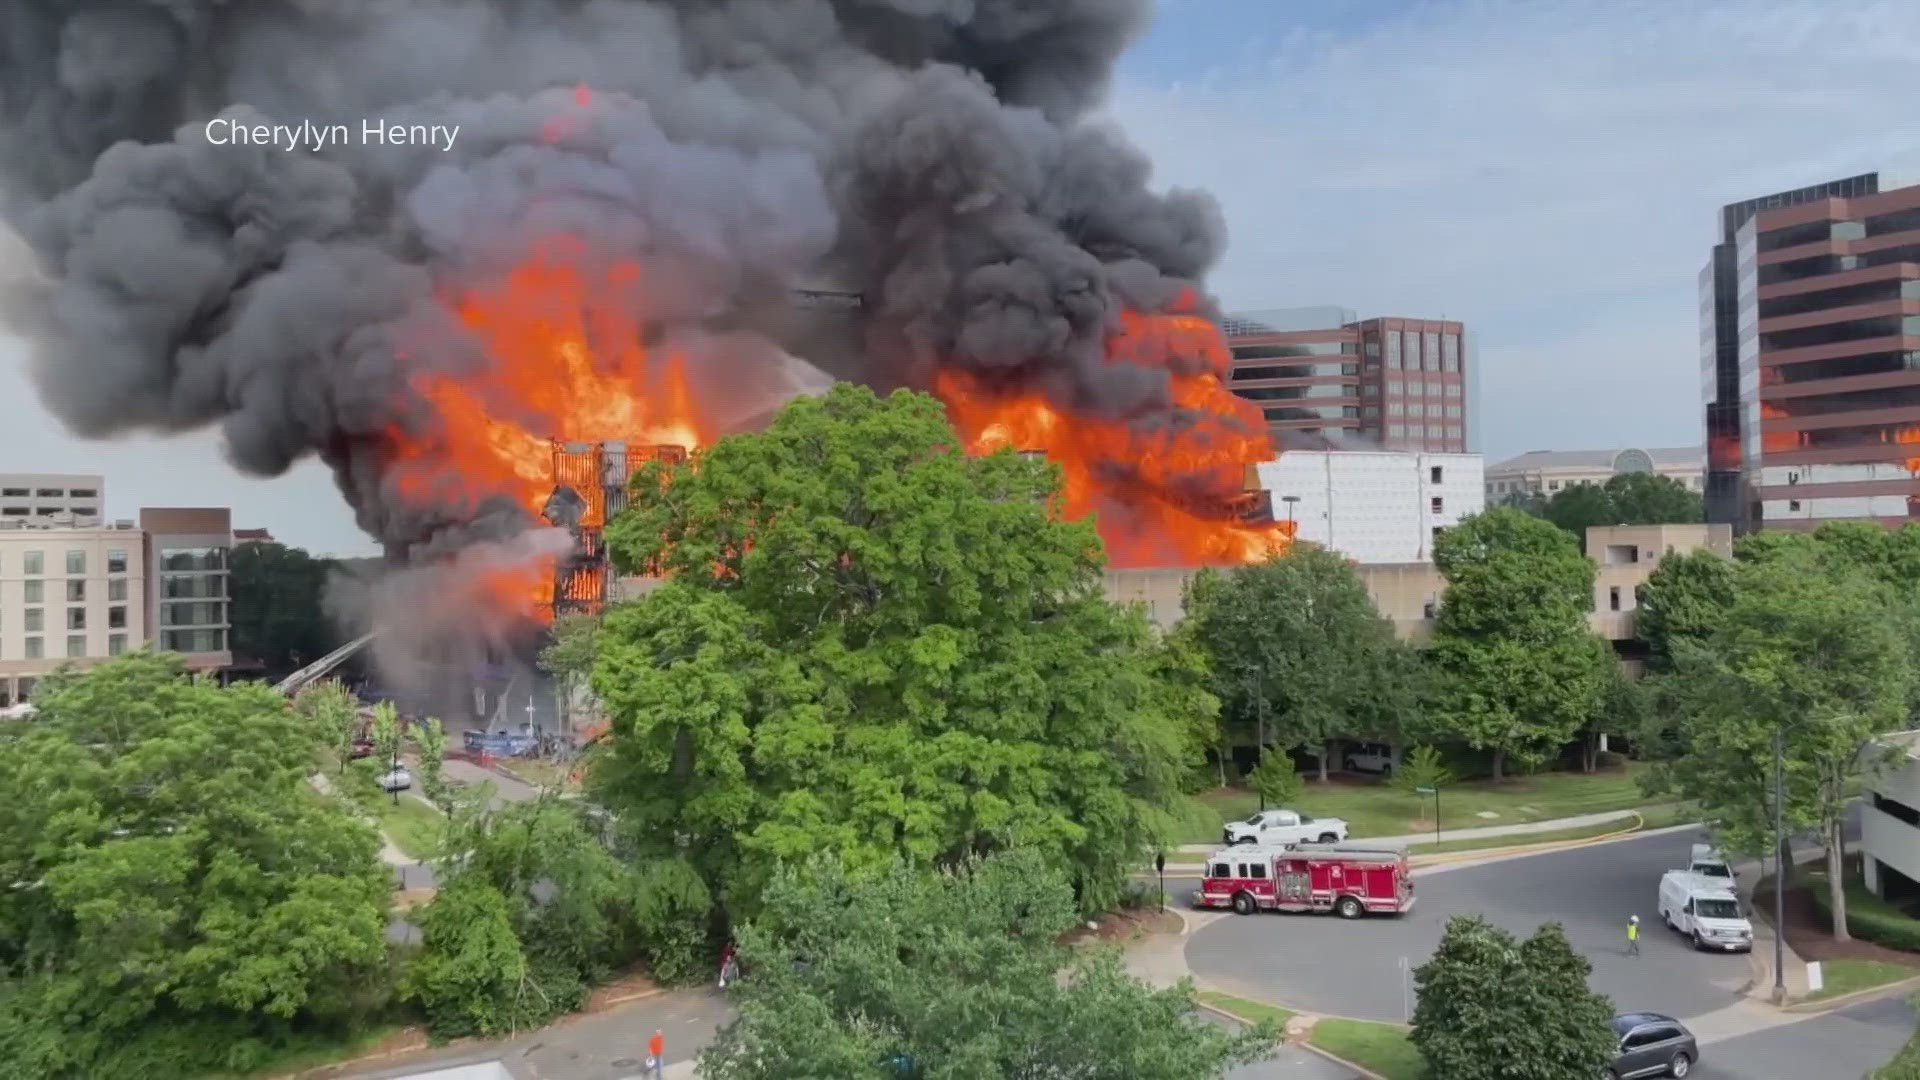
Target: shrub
{"x":468,"y":976}
{"x":1609,"y":760}
{"x":1869,"y":918}
{"x":671,"y":909}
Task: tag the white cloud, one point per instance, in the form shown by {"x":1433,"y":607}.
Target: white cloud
{"x":1550,"y":172}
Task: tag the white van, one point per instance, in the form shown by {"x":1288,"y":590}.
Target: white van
{"x":1708,"y":862}
{"x":1705,"y":910}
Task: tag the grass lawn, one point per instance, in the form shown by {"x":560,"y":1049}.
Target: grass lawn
{"x":546,"y":774}
{"x":1252,"y":1011}
{"x":1374,"y":808}
{"x":1849,"y":976}
{"x":1383,"y":1048}
{"x":413,"y":826}
{"x":1652,"y":817}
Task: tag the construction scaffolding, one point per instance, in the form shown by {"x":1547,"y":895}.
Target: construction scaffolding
{"x":591,"y":485}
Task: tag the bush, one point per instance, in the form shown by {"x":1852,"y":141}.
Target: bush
{"x":1869,"y":918}
{"x":671,"y":908}
{"x":468,"y":976}
{"x":1609,"y":760}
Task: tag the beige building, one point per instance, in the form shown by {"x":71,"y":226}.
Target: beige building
{"x":189,"y":549}
{"x":1543,"y":472}
{"x":1409,"y":594}
{"x":44,"y":496}
{"x":1890,"y":822}
{"x":67,"y":595}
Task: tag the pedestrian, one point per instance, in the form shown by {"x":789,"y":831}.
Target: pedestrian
{"x":729,"y":965}
{"x":657,"y":1054}
{"x":1633,"y":935}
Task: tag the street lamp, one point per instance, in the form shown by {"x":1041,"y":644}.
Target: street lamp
{"x":1290,"y":500}
{"x":1779,"y":868}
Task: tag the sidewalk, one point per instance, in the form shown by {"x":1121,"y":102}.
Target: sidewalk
{"x":1747,"y":877}
{"x":1482,"y":832}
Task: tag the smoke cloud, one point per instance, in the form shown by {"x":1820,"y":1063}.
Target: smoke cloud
{"x":936,"y":154}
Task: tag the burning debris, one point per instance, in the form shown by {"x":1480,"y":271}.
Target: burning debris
{"x":610,"y":251}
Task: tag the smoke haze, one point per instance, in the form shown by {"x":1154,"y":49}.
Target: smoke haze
{"x":934,"y":154}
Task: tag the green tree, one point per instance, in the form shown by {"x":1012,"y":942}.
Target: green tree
{"x":1652,"y":499}
{"x":430,"y":736}
{"x":1683,"y":600}
{"x":1422,"y":767}
{"x":471,"y":977}
{"x":335,"y":713}
{"x":1492,"y":1006}
{"x":1522,"y":673}
{"x":873,"y":644}
{"x":1807,"y":649}
{"x":1579,"y":507}
{"x":1181,"y":672}
{"x":176,"y":900}
{"x":572,"y":645}
{"x":1299,"y":653}
{"x":277,"y":608}
{"x":1275,"y":780}
{"x":385,"y":733}
{"x":959,"y":973}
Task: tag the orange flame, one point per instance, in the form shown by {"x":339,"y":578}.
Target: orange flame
{"x":1176,"y":496}
{"x":1907,"y":436}
{"x":566,"y":359}
{"x":1775,"y":442}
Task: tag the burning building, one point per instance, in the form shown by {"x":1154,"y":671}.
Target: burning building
{"x":654,"y":221}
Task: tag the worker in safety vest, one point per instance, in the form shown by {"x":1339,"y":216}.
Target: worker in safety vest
{"x":1633,"y":935}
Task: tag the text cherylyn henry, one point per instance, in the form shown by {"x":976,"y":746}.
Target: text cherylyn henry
{"x":307,"y":135}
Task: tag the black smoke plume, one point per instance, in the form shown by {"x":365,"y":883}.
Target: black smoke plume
{"x":937,"y":155}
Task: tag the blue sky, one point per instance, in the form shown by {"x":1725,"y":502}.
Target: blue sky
{"x":1547,"y":171}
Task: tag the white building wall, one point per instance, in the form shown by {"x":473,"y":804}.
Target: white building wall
{"x":35,"y":497}
{"x":40,"y":604}
{"x":1374,"y":506}
{"x":1884,"y":838}
{"x":1832,"y":508}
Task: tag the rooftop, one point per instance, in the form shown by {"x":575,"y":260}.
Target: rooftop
{"x":1599,"y":459}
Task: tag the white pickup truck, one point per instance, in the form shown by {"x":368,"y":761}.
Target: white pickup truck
{"x":1285,"y":828}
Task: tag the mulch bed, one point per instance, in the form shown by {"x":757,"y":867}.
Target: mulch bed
{"x":1810,"y":933}
{"x":1120,"y":927}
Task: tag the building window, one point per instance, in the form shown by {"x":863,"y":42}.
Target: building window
{"x":76,"y":590}
{"x":13,"y":493}
{"x":116,"y":644}
{"x":1433,"y":350}
{"x":1453,"y":389}
{"x":1553,"y":485}
{"x":76,"y":645}
{"x":198,"y":586}
{"x":1613,"y":598}
{"x":1418,"y":431}
{"x":36,"y":591}
{"x":1793,"y":506}
{"x":49,"y":493}
{"x":36,"y":620}
{"x":1453,"y":412}
{"x":1393,"y":348}
{"x":76,"y":562}
{"x":116,"y":618}
{"x":76,"y":618}
{"x":83,"y":493}
{"x":1438,"y":505}
{"x":34,"y":564}
{"x":1370,"y":412}
{"x":1396,"y":430}
{"x":116,"y":562}
{"x":193,"y":641}
{"x":1395,"y":408}
{"x":1417,"y":409}
{"x":1370,"y":390}
{"x":117,"y":589}
{"x":1433,"y":475}
{"x":208,"y":558}
{"x":36,"y":650}
{"x":1373,"y":348}
{"x":1450,"y":352}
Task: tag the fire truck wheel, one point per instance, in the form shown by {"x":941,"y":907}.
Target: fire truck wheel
{"x":1349,"y":908}
{"x":1243,"y":903}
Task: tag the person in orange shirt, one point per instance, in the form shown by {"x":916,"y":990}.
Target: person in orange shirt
{"x":657,"y":1054}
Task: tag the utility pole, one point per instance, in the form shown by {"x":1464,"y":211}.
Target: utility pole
{"x":1779,"y":868}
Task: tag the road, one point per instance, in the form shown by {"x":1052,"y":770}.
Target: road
{"x":1327,"y":965}
{"x":1842,"y":1045}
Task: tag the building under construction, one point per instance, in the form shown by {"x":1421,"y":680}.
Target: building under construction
{"x":590,"y":487}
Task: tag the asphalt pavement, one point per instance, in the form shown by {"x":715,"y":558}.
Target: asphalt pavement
{"x":1360,"y":969}
{"x":1842,"y":1045}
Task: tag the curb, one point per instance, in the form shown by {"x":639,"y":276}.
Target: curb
{"x":1871,"y":993}
{"x":1361,"y":1070}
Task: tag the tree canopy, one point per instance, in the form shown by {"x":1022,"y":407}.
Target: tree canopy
{"x":874,"y":644}
{"x":1625,"y":499}
{"x":891,"y":971}
{"x":1299,"y":654}
{"x":175,"y":897}
{"x":1522,"y":672}
{"x":1806,"y":649}
{"x":277,"y":612}
{"x":1492,"y":1006}
{"x":1683,"y":600}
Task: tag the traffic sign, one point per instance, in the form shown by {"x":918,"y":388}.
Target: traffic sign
{"x":1423,"y":791}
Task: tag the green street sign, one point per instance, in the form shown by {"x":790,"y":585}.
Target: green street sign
{"x":1424,"y":790}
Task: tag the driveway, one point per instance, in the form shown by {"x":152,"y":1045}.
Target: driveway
{"x":1843,"y":1045}
{"x":1360,"y":969}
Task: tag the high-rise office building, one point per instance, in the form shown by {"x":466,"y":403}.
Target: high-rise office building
{"x":1810,"y":357}
{"x":1324,"y":377}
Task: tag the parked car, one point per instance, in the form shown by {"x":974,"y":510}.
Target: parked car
{"x":1370,"y":758}
{"x":1706,"y":910}
{"x":1709,"y":862}
{"x":1652,"y":1045}
{"x":396,"y":779}
{"x":1284,"y":828}
{"x":362,"y":748}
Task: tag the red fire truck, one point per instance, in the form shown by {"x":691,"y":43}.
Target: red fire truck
{"x":1349,"y":879}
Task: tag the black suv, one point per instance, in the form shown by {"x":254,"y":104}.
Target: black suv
{"x":1652,"y":1045}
